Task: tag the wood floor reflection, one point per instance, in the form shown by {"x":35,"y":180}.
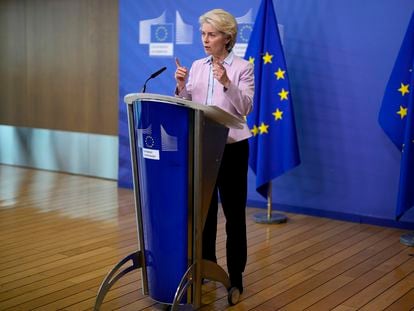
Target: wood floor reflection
{"x":60,"y":234}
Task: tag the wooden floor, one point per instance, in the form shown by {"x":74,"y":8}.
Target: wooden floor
{"x":60,"y":234}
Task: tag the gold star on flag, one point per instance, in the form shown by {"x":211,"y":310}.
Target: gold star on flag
{"x":280,"y":74}
{"x":255,"y":130}
{"x":251,"y":60}
{"x":404,"y":89}
{"x":267,"y":58}
{"x":402,"y":112}
{"x":283,"y":94}
{"x":278,"y":114}
{"x":263,"y":128}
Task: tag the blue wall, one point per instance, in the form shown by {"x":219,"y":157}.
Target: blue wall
{"x":339,"y":56}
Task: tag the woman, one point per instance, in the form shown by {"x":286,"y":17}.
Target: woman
{"x":227,"y":81}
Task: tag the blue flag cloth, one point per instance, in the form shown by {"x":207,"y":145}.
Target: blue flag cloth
{"x":396,"y":117}
{"x":273,"y":146}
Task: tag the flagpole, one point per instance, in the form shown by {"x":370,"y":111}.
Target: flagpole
{"x":269,"y":217}
{"x":269,"y":202}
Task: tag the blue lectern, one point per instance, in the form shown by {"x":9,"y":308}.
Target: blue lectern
{"x":176,"y":149}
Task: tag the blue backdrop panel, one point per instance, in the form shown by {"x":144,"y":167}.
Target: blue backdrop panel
{"x":339,"y":58}
{"x":162,"y":152}
{"x":340,"y":55}
{"x":151,"y":34}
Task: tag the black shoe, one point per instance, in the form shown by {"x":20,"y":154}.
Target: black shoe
{"x":236,"y":280}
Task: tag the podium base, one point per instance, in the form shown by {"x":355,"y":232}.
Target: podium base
{"x":275,"y":218}
{"x":407,"y":239}
{"x":115,"y":274}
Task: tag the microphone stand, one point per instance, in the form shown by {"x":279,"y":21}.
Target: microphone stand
{"x":155,"y":74}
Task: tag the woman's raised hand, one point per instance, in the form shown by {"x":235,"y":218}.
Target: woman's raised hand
{"x":180,"y":75}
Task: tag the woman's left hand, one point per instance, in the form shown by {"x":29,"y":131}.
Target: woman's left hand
{"x":220,"y":74}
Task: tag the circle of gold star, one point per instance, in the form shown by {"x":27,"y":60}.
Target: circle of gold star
{"x":278,"y":114}
{"x":283,"y":94}
{"x":404,"y":89}
{"x":402,"y":112}
{"x":267,"y":58}
{"x":280,"y":74}
{"x":263,"y":128}
{"x":255,"y":130}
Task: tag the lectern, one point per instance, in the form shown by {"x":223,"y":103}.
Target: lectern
{"x":176,"y":150}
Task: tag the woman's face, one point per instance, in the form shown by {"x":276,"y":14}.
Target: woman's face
{"x":214,"y":41}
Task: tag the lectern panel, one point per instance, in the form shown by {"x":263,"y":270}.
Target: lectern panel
{"x":162,"y":149}
{"x":176,"y":150}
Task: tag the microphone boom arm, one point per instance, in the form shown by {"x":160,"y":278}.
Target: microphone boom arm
{"x":155,"y":74}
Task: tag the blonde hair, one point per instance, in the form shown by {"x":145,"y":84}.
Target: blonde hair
{"x":224,"y":22}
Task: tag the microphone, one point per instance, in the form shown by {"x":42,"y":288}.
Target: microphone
{"x":155,"y":74}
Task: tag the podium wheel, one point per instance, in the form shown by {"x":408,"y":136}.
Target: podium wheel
{"x":233,"y":296}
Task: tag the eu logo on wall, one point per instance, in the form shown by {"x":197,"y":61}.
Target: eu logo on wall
{"x":245,"y":27}
{"x":161,"y":35}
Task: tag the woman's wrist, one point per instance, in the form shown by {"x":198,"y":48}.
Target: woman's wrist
{"x":179,"y":88}
{"x":227,"y":84}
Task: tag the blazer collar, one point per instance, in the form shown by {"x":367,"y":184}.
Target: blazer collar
{"x":228,"y":60}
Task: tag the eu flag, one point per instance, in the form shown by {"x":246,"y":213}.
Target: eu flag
{"x":396,"y":117}
{"x":273,"y":146}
